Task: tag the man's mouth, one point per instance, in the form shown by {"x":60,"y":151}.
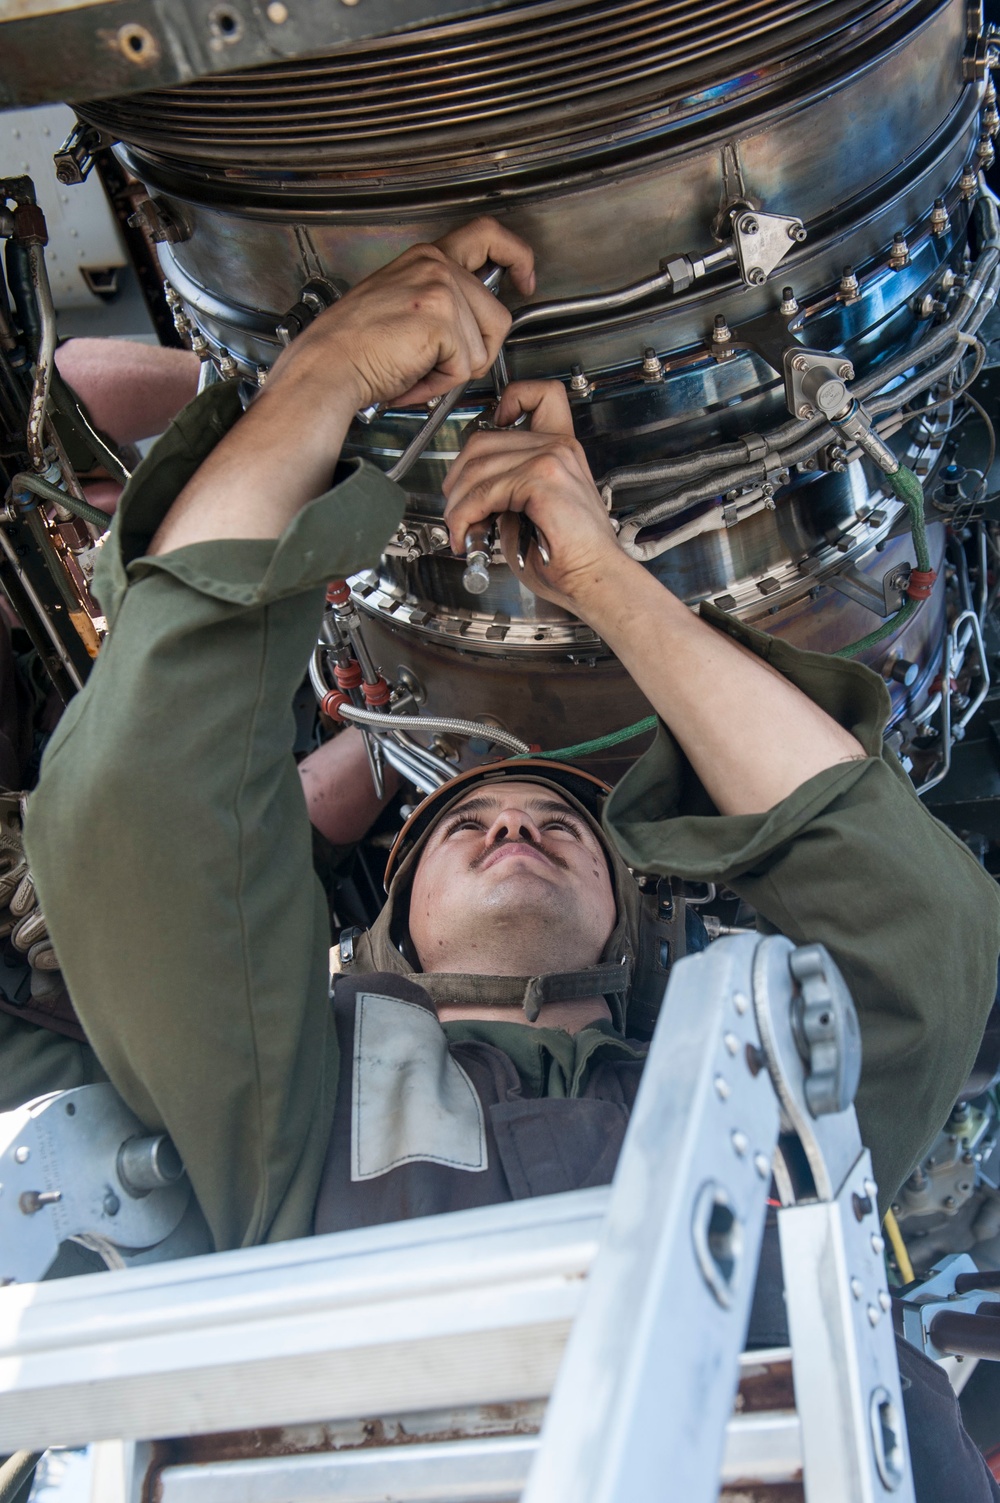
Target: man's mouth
{"x":515,"y":848}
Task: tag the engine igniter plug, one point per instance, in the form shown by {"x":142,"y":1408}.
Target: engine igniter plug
{"x":828,"y":393}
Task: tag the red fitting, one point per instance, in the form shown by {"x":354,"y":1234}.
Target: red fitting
{"x":338,"y":592}
{"x":330,"y":705}
{"x":377,"y":694}
{"x":348,"y":675}
{"x":921,"y":583}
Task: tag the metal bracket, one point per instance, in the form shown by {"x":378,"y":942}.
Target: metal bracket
{"x":79,"y":1165}
{"x":762,"y":241}
{"x":955,"y":1287}
{"x":883,"y":602}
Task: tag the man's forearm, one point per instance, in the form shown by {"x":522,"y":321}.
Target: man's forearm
{"x":750,"y":735}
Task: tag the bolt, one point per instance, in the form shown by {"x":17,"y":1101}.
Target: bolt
{"x":940,"y":223}
{"x":800,"y":363}
{"x":789,"y":305}
{"x":756,"y":277}
{"x":652,"y":366}
{"x":721,"y":333}
{"x":804,"y":410}
{"x":967,"y":184}
{"x":899,"y":255}
{"x":438,"y":537}
{"x":749,"y":225}
{"x":797,"y":232}
{"x":111,"y":1203}
{"x":991,"y":120}
{"x":845,"y":370}
{"x":32,"y":1201}
{"x":579,"y":384}
{"x":848,"y":290}
{"x":985,"y":155}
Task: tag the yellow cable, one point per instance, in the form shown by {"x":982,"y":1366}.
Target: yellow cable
{"x":899,"y":1248}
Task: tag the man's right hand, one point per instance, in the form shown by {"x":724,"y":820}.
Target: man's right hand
{"x":417,"y":327}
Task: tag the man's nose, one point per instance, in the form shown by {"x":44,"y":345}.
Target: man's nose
{"x":513,"y":824}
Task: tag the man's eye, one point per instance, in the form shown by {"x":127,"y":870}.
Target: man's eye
{"x":469,"y":822}
{"x":561,"y":824}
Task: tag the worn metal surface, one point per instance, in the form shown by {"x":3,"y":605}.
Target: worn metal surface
{"x":112,"y":46}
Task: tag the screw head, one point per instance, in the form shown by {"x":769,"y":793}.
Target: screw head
{"x":749,"y":225}
{"x":111,"y":1203}
{"x":797,"y":232}
{"x":756,"y":277}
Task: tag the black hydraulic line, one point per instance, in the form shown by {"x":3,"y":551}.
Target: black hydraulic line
{"x":965,"y":1283}
{"x":962,"y":1335}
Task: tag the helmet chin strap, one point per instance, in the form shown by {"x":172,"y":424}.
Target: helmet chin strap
{"x":529,"y":992}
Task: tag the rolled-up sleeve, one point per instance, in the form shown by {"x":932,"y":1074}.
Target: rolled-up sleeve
{"x":853,"y":860}
{"x":171,"y":846}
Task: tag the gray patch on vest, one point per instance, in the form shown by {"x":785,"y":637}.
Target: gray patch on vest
{"x":412,"y":1101}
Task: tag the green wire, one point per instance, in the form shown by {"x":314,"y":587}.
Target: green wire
{"x":600,"y":743}
{"x":909,"y":490}
{"x":39,"y":487}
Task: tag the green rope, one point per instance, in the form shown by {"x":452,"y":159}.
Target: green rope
{"x":39,"y":487}
{"x":600,"y":743}
{"x":909,"y":490}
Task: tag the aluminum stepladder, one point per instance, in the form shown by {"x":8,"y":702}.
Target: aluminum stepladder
{"x":413,"y":1361}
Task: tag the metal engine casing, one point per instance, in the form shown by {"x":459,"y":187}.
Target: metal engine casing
{"x":612,"y":137}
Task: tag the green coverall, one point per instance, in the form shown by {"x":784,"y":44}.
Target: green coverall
{"x":171,"y":847}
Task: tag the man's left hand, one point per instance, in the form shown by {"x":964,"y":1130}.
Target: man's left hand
{"x":541,"y":471}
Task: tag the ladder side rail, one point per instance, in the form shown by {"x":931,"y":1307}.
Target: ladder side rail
{"x":648,"y":1379}
{"x":844,"y":1367}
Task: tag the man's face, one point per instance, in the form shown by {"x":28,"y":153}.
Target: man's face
{"x":511,"y":881}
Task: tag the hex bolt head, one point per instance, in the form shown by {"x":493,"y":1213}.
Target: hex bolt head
{"x":800,"y":363}
{"x":804,"y":410}
{"x":756,"y":276}
{"x":845,"y":370}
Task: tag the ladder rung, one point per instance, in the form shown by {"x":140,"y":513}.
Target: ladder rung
{"x":760,"y":1449}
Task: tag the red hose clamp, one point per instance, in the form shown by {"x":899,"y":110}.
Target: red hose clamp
{"x":377,"y":694}
{"x":921,"y":583}
{"x":330,"y":705}
{"x":338,"y":592}
{"x":348,"y":675}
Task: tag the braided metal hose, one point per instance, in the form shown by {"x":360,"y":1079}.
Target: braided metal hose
{"x":444,"y":724}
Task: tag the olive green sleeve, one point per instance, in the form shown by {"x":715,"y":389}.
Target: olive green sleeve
{"x":34,"y":1061}
{"x":851,"y":859}
{"x":171,"y":846}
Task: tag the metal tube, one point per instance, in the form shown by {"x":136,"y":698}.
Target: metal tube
{"x":445,"y":724}
{"x":961,"y":1335}
{"x":38,"y":410}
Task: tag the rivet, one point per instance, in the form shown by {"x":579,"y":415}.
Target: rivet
{"x":874,"y":1315}
{"x":722,"y":1088}
{"x":740,"y":1003}
{"x":871,"y":1188}
{"x":740,"y":1142}
{"x":277,"y":13}
{"x":112,"y":1205}
{"x":878,"y":1244}
{"x":22,"y":1154}
{"x":884,"y":1300}
{"x":857,"y":1288}
{"x":732,"y":1043}
{"x":761,"y":1165}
